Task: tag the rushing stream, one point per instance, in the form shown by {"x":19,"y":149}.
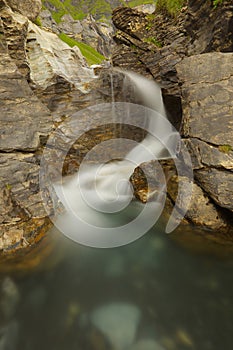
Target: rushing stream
{"x":149,"y":295}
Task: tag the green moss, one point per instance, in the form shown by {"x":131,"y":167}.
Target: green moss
{"x":171,"y":7}
{"x":91,"y":55}
{"x":225,"y":148}
{"x":8,"y":187}
{"x":217,"y":2}
{"x":38,"y":22}
{"x":153,"y":40}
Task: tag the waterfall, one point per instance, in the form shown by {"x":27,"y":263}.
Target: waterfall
{"x":98,"y":199}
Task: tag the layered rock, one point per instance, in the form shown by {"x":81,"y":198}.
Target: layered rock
{"x":26,"y":121}
{"x":43,"y":82}
{"x":96,"y":34}
{"x":28,"y":8}
{"x":207,"y":90}
{"x":197,"y":92}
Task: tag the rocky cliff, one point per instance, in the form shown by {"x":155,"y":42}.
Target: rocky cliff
{"x":43,"y":82}
{"x":190,"y":55}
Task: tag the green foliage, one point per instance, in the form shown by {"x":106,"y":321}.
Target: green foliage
{"x":153,"y":40}
{"x":8,"y":187}
{"x":101,"y":9}
{"x":37,"y":21}
{"x":217,"y":2}
{"x":91,"y":55}
{"x":150,"y":18}
{"x":171,"y":7}
{"x":225,"y":148}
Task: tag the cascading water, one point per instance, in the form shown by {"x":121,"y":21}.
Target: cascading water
{"x":98,"y":199}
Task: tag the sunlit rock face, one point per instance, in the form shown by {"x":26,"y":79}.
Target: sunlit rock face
{"x":28,"y":8}
{"x":50,"y":60}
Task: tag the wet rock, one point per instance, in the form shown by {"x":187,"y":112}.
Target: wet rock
{"x":9,"y":297}
{"x":118,"y":322}
{"x":196,"y":89}
{"x":9,"y":336}
{"x":201,"y":211}
{"x":218,"y":184}
{"x":147,"y":344}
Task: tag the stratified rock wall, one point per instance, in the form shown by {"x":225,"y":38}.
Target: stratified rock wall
{"x":197,"y":91}
{"x":207,"y":90}
{"x":28,"y":8}
{"x":29,"y":54}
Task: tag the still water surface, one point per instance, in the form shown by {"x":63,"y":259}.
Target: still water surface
{"x":150,"y":295}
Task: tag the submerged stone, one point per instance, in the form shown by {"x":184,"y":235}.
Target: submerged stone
{"x":146,"y":344}
{"x":118,"y":322}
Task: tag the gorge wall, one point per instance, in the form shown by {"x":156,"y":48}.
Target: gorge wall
{"x":190,"y":55}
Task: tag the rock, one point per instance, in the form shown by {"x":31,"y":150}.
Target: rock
{"x":9,"y":336}
{"x":218,"y":184}
{"x":96,"y":34}
{"x":9,"y":297}
{"x":146,"y":8}
{"x":52,"y":61}
{"x":204,"y":154}
{"x":48,"y":22}
{"x":17,"y":103}
{"x":207,"y":92}
{"x":207,"y":121}
{"x":28,"y":8}
{"x":201,"y":212}
{"x":147,"y":344}
{"x":197,"y":91}
{"x":14,"y":27}
{"x":25,"y":124}
{"x":210,"y":29}
{"x":118,"y":322}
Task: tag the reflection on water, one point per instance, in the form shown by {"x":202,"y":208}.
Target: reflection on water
{"x":150,"y":295}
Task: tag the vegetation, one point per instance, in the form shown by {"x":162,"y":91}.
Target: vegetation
{"x":134,"y":3}
{"x":37,"y":21}
{"x":217,"y":2}
{"x":63,"y":8}
{"x":225,"y":148}
{"x":91,"y":55}
{"x":79,"y":9}
{"x":153,"y":40}
{"x":171,"y":7}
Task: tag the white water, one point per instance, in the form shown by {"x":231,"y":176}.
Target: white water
{"x":96,"y":196}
